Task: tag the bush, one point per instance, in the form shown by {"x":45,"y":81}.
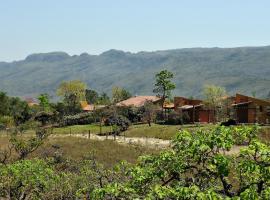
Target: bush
{"x":132,"y":113}
{"x":79,"y":119}
{"x":174,"y":119}
{"x":122,"y":122}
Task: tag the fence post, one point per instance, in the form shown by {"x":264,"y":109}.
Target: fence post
{"x":89,"y":134}
{"x":69,"y":131}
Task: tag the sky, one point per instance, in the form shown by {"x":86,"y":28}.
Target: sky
{"x":95,"y":26}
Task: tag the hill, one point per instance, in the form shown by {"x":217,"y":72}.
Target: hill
{"x":243,"y":69}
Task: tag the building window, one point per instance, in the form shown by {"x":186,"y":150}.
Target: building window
{"x":261,"y":108}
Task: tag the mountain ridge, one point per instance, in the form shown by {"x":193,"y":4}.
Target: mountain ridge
{"x":241,"y":69}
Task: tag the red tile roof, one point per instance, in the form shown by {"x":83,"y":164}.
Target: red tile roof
{"x":138,"y":101}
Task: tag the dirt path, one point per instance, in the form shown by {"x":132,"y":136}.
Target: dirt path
{"x":147,"y":142}
{"x":142,"y":141}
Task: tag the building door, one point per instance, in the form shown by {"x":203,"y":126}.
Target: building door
{"x":242,"y":114}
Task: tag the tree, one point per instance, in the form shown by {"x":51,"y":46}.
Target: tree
{"x":44,"y":102}
{"x":197,"y":168}
{"x":164,"y":85}
{"x":4,"y":104}
{"x":149,"y":112}
{"x":120,"y":94}
{"x":19,"y":110}
{"x":104,"y":99}
{"x":215,"y":99}
{"x":72,"y":93}
{"x":91,"y":96}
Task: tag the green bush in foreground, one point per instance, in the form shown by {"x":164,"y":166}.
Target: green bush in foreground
{"x":200,"y":165}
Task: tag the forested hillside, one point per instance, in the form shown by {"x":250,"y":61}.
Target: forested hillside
{"x":245,"y":70}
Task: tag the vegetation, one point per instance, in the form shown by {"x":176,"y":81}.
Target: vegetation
{"x":119,"y":94}
{"x":209,"y":162}
{"x":196,"y":167}
{"x":164,"y":85}
{"x":92,"y":97}
{"x":72,"y":93}
{"x":214,"y":100}
{"x":232,"y":68}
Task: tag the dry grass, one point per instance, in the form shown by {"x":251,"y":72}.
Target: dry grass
{"x":106,"y":152}
{"x":165,"y":132}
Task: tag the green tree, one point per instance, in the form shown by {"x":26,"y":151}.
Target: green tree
{"x":103,"y":99}
{"x":164,"y":85}
{"x":72,"y":93}
{"x":215,"y":99}
{"x":120,"y":94}
{"x":197,"y":167}
{"x":91,"y":96}
{"x":27,"y":179}
{"x":19,"y":110}
{"x":4,"y":104}
{"x":44,"y":102}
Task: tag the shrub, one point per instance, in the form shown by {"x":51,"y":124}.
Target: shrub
{"x":79,"y":119}
{"x":132,"y":113}
{"x":122,"y":122}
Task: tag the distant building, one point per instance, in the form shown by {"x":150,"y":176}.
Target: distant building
{"x":138,"y":101}
{"x":31,"y":101}
{"x":90,"y":107}
{"x":194,"y":109}
{"x":251,"y":110}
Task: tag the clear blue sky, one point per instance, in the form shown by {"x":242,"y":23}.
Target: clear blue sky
{"x":94,"y":26}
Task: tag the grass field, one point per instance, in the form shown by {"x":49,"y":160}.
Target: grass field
{"x":94,"y":128}
{"x":165,"y":132}
{"x":106,"y":152}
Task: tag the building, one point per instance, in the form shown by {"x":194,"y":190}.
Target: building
{"x":31,"y":101}
{"x":193,"y":109}
{"x":90,"y":107}
{"x":251,"y":110}
{"x":138,"y":101}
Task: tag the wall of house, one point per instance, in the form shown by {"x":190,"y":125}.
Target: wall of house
{"x":206,"y":116}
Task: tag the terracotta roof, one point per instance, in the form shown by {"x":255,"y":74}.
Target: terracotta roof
{"x":138,"y":101}
{"x":90,"y":107}
{"x":86,"y":107}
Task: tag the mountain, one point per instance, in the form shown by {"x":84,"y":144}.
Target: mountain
{"x":243,"y":69}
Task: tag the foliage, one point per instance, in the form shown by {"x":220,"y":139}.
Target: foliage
{"x":232,"y":68}
{"x":15,"y":108}
{"x":79,"y":119}
{"x":164,"y":85}
{"x":72,"y":93}
{"x":214,"y":100}
{"x":174,"y":118}
{"x":132,"y":113}
{"x":27,"y":179}
{"x":24,"y":147}
{"x":120,"y":94}
{"x":6,"y":122}
{"x":4,"y":104}
{"x":149,"y":112}
{"x":44,"y":102}
{"x":104,"y":99}
{"x":197,"y":168}
{"x":122,"y":122}
{"x":91,"y":96}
